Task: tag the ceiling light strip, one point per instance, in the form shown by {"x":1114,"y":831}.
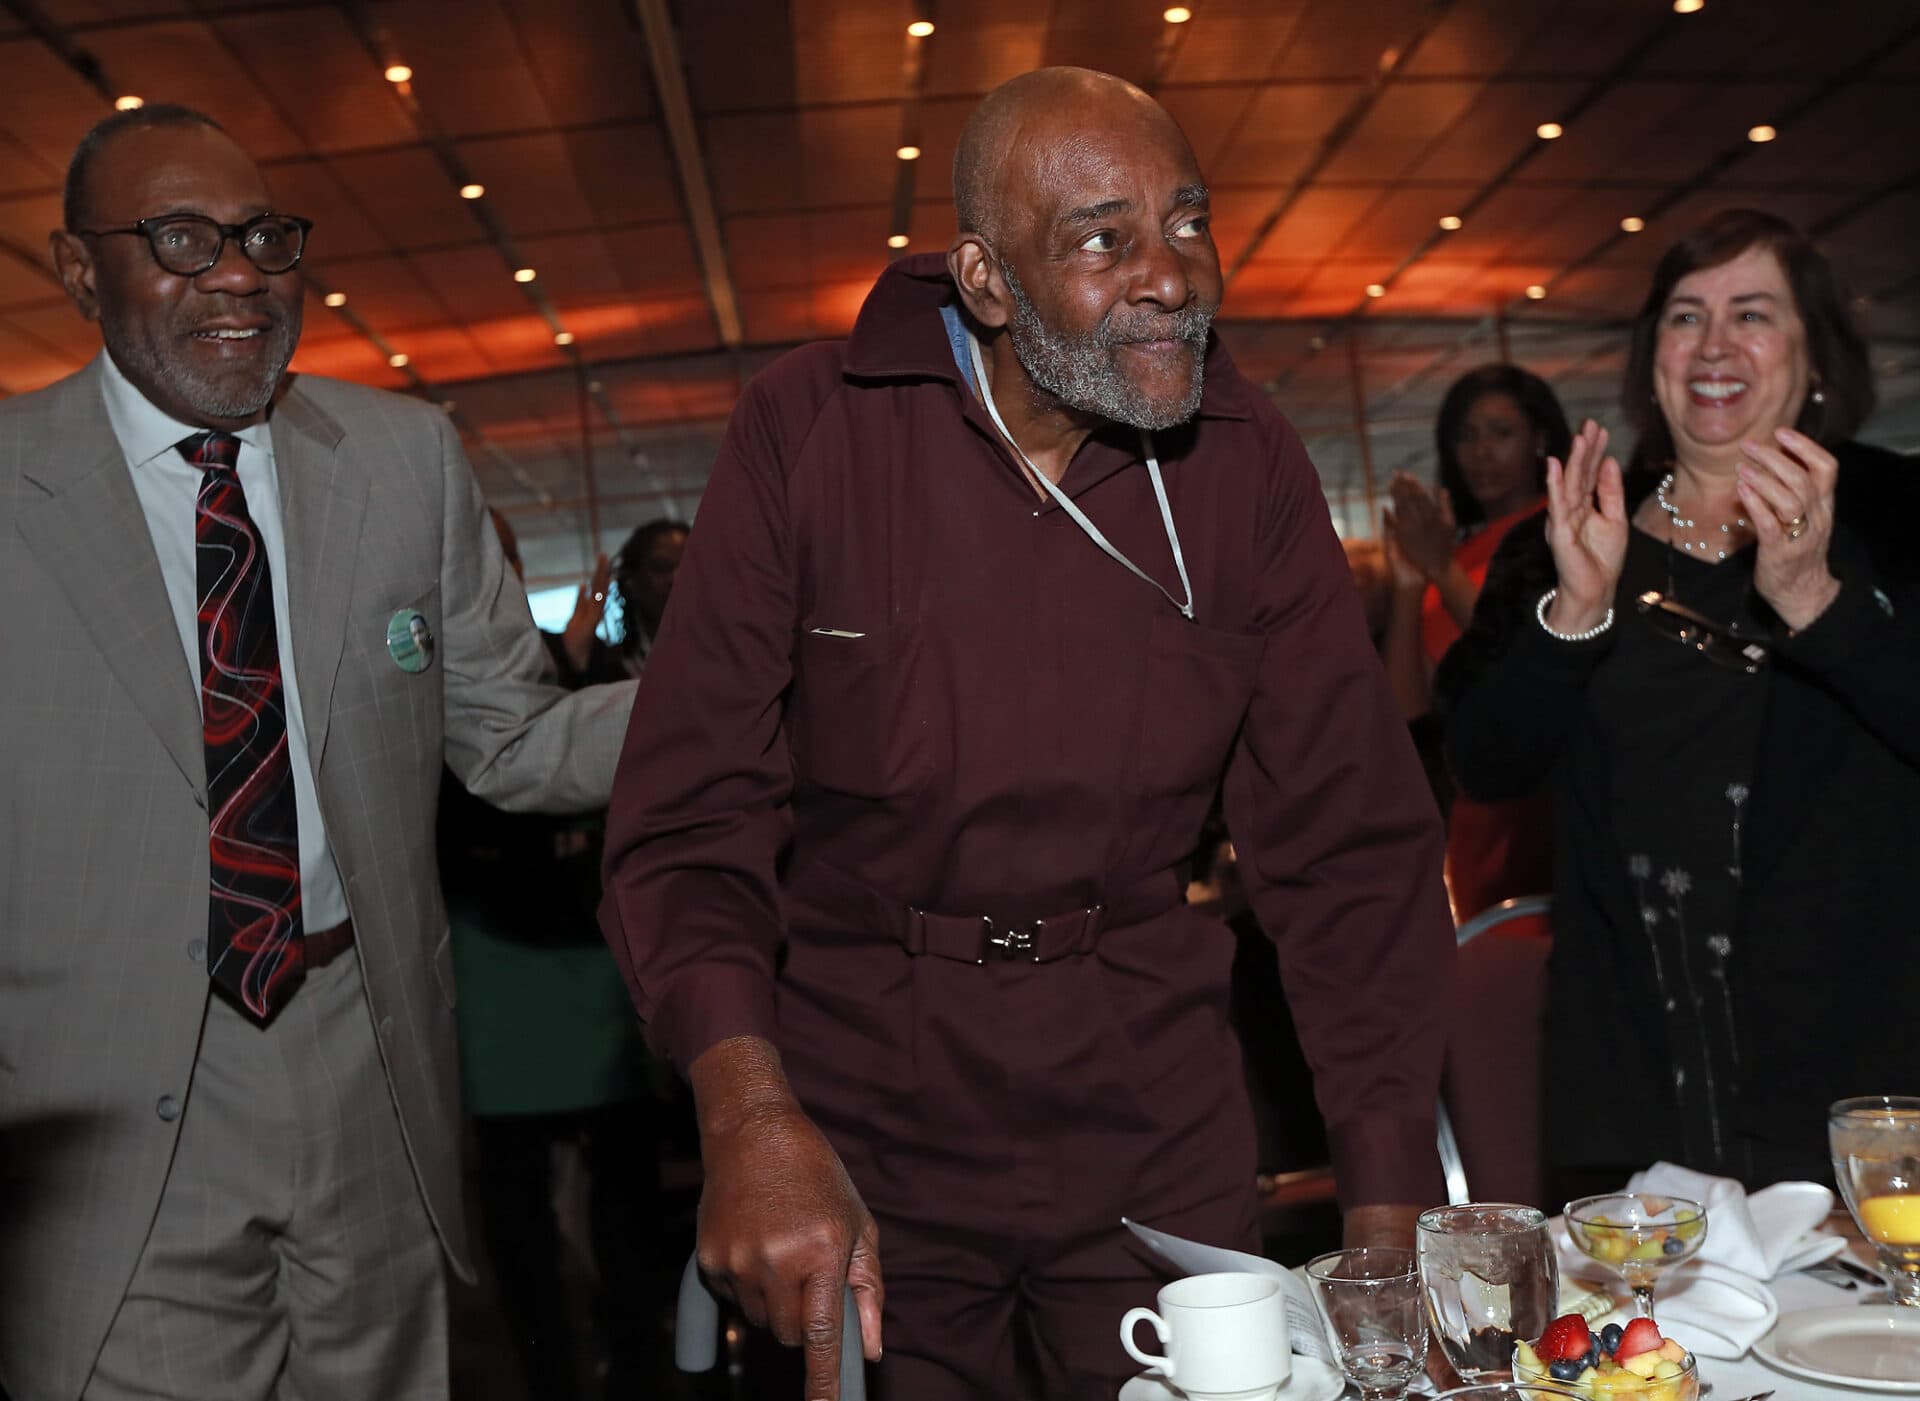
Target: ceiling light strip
{"x":913,"y":83}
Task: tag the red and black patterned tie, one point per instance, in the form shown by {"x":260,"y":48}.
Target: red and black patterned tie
{"x":253,"y":921}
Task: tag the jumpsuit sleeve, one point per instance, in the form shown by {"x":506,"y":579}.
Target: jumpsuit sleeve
{"x":1340,"y":846}
{"x":700,"y":813}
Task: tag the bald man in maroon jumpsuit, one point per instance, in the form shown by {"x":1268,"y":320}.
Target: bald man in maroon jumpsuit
{"x":895,"y":854}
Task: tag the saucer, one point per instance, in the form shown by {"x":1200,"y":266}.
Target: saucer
{"x":1311,"y":1381}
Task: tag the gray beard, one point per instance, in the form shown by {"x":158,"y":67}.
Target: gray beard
{"x":144,"y":362}
{"x":1083,"y":373}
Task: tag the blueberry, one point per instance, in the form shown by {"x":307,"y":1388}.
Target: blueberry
{"x":1610,"y":1338}
{"x":1592,"y":1359}
{"x":1673,"y":1245}
{"x":1566,"y":1371}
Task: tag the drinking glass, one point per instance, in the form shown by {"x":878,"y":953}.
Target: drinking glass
{"x":1370,"y":1299}
{"x":1491,"y":1279}
{"x":1875,"y":1141}
{"x":1503,"y":1391}
{"x":1639,"y":1236}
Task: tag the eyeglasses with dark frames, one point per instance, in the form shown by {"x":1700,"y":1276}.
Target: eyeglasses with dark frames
{"x":187,"y":245}
{"x":1721,"y":643}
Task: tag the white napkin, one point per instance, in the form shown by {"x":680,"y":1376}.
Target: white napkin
{"x":1772,"y":1232}
{"x":1305,"y":1331}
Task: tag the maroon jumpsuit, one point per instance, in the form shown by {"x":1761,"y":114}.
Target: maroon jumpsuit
{"x":899,"y":710}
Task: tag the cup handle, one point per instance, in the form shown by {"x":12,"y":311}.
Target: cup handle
{"x":1127,"y":1325}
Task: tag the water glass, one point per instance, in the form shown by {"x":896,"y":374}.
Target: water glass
{"x":1370,"y":1299}
{"x":1875,"y":1141}
{"x":1491,"y":1280}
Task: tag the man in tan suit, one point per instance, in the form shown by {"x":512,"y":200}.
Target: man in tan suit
{"x":244,"y":622}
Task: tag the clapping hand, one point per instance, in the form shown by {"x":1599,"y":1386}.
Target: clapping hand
{"x":1786,"y":487}
{"x":1421,"y":524}
{"x":1587,"y":531}
{"x":588,"y":609}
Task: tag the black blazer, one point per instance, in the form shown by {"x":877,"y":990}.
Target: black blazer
{"x":1826,"y":966}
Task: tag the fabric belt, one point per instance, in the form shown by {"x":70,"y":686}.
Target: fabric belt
{"x":322,"y":946}
{"x":984,"y":938}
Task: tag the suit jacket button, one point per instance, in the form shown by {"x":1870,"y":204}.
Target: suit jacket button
{"x":386,"y":1028}
{"x":168,"y":1108}
{"x":197,"y":950}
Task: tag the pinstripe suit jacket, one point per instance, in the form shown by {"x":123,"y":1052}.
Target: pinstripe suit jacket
{"x":103,"y":824}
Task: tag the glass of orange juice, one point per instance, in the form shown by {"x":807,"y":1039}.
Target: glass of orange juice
{"x":1875,"y":1142}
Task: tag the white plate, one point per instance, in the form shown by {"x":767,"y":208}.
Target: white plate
{"x":1874,"y":1348}
{"x":1311,"y":1381}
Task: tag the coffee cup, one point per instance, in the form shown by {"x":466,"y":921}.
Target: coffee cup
{"x":1225,"y":1337}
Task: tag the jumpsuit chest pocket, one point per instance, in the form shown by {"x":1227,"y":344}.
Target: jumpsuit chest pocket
{"x":1195,"y":686}
{"x":855,"y":718}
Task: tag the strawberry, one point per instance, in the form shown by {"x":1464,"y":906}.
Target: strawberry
{"x":1566,"y":1339}
{"x":1642,"y":1335}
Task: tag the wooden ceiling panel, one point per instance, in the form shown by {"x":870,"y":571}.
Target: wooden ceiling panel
{"x":471,"y":77}
{"x":24,"y":284}
{"x":1283,"y":129}
{"x":1346,"y":38}
{"x":530,"y":183}
{"x":1494,"y":130}
{"x":575,"y":269}
{"x":588,"y":58}
{"x":27,"y":363}
{"x":25,"y":171}
{"x":1401,"y":219}
{"x":1725,"y":41}
{"x":75,"y":14}
{"x":1318,"y":222}
{"x":939,"y":136}
{"x":1611,"y":136}
{"x":1230,"y":49}
{"x":44,"y":105}
{"x":1399,"y":129}
{"x":999,"y":40}
{"x":625,"y":173}
{"x":847,"y":155}
{"x":57,"y":325}
{"x":627,"y":329}
{"x":848,"y":52}
{"x":1266,"y":289}
{"x":739,"y":55}
{"x":655,"y":260}
{"x":472,"y":279}
{"x":777,"y":317}
{"x":25,"y":224}
{"x":1855,"y":139}
{"x":407,"y":197}
{"x":1118,"y":39}
{"x":310,"y":189}
{"x":1584,"y":39}
{"x":1210,"y":117}
{"x":754,"y":163}
{"x":1478,"y":38}
{"x":187,"y":62}
{"x":319,"y":74}
{"x":347,"y":357}
{"x":1237,"y":214}
{"x":443,"y":352}
{"x":389,"y":295}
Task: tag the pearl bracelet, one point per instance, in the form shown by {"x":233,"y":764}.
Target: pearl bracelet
{"x":1540,"y":612}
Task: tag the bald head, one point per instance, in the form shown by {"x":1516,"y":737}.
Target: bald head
{"x":1024,"y":119}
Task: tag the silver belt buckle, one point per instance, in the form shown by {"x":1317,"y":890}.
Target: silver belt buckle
{"x":1011,"y":944}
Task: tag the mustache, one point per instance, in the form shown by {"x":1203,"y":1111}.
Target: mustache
{"x":1190,"y":323}
{"x":228,"y":308}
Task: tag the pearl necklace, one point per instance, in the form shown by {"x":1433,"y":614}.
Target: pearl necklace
{"x":1675,"y":520}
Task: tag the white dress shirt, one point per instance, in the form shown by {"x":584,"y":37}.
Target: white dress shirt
{"x":168,"y":486}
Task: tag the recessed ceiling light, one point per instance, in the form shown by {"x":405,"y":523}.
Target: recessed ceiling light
{"x":1374,"y":289}
{"x":128,"y":103}
{"x":897,"y":240}
{"x":1689,"y":7}
{"x":398,"y":73}
{"x":920,"y":28}
{"x":908,"y":153}
{"x":563,"y":337}
{"x":1536,"y":292}
{"x":335,"y":299}
{"x":1450,"y":222}
{"x":1176,"y":14}
{"x":1317,"y":343}
{"x":397,"y":360}
{"x":473,"y":191}
{"x":524,"y":274}
{"x":1633,"y":223}
{"x":1761,"y":134}
{"x":1549,"y":131}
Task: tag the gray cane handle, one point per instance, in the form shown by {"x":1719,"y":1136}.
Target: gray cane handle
{"x":696,"y":1334}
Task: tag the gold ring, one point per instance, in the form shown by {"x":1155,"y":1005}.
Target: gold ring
{"x":1796,"y":527}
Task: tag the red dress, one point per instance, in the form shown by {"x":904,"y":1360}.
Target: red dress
{"x":1495,"y":851}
